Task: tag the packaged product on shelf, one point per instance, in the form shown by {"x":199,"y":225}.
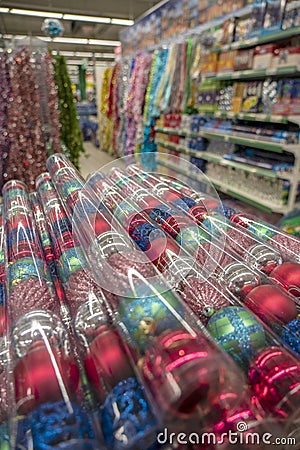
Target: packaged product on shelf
{"x":270,"y":95}
{"x":286,"y":57}
{"x":257,"y":17}
{"x":226,"y":62}
{"x":252,"y":98}
{"x":244,"y":59}
{"x":207,"y":99}
{"x":274,"y":15}
{"x":291,"y":17}
{"x":209,"y":63}
{"x":237,"y":99}
{"x":263,"y":56}
{"x":225,"y":98}
{"x":242,"y":30}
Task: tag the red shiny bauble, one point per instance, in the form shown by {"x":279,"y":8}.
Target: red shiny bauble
{"x":133,"y":221}
{"x":101,"y":225}
{"x":37,"y":381}
{"x":199,"y":213}
{"x":175,"y":225}
{"x":107,"y":362}
{"x":162,"y":251}
{"x":210,"y":203}
{"x":3,"y":321}
{"x":149,"y":202}
{"x":288,"y":275}
{"x":271,"y":304}
{"x":275,"y":382}
{"x":171,"y":196}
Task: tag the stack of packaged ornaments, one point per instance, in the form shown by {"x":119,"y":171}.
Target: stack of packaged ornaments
{"x":136,"y":308}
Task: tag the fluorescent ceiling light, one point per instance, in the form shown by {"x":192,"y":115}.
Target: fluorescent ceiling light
{"x":104,"y":43}
{"x":105,"y":55}
{"x":94,"y":19}
{"x":125,"y":22}
{"x":78,"y":62}
{"x":67,"y":53}
{"x":65,"y":40}
{"x":28,"y":12}
{"x":4,"y":10}
{"x":84,"y":54}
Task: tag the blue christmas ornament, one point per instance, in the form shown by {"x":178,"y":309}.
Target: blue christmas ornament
{"x":215,"y":225}
{"x":144,"y":234}
{"x":54,"y":426}
{"x":147,"y":314}
{"x":185,"y":203}
{"x":291,"y":335}
{"x":238,"y":332}
{"x":225,"y":210}
{"x":191,"y":238}
{"x":127,"y":420}
{"x":53,"y":28}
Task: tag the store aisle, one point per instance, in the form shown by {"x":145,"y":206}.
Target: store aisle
{"x":95,"y":159}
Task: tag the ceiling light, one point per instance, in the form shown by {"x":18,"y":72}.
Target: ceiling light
{"x":65,"y":40}
{"x":28,"y":12}
{"x":4,"y":10}
{"x":104,"y":43}
{"x":67,"y":53}
{"x":94,"y":19}
{"x":105,"y":55}
{"x":125,"y":22}
{"x":84,"y":54}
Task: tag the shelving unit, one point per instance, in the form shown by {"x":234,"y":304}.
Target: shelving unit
{"x":256,"y":74}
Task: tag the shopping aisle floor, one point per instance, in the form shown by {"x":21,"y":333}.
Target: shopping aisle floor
{"x":96,"y":159}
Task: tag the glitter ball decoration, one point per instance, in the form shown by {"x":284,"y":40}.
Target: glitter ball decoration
{"x":52,"y":28}
{"x":288,"y":246}
{"x":238,"y":240}
{"x":70,"y":262}
{"x":288,"y":276}
{"x":148,"y":314}
{"x":24,"y":269}
{"x":271,"y":304}
{"x":134,"y":425}
{"x":215,"y":225}
{"x":31,"y":295}
{"x":144,"y":235}
{"x":238,"y":332}
{"x":204,"y":299}
{"x":191,"y":238}
{"x":291,"y":335}
{"x":79,"y":287}
{"x":225,"y":211}
{"x":274,"y":378}
{"x":59,"y":425}
{"x":3,"y":397}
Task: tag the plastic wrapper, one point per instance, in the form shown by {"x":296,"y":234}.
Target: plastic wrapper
{"x":47,"y":407}
{"x":171,"y":344}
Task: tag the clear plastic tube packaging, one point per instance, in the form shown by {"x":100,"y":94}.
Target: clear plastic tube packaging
{"x":274,"y":306}
{"x":48,"y":404}
{"x":170,"y":351}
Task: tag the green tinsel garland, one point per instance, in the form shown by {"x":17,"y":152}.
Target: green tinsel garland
{"x":71,"y":133}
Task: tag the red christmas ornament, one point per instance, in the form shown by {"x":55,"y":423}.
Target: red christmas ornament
{"x":175,"y":225}
{"x":107,"y":362}
{"x":101,"y":225}
{"x":288,"y":276}
{"x":199,"y":213}
{"x":3,"y":321}
{"x":36,"y":380}
{"x":162,"y":251}
{"x":275,"y":382}
{"x":210,"y":203}
{"x":171,"y":196}
{"x":271,"y":304}
{"x":241,"y":219}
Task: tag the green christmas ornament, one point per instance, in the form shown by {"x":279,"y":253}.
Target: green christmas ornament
{"x":148,"y":314}
{"x":238,"y":332}
{"x":190,"y":238}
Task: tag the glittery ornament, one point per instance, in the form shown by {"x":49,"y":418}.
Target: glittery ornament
{"x":261,"y":230}
{"x":288,"y":246}
{"x":238,"y":332}
{"x":106,"y":362}
{"x":3,"y":397}
{"x":191,"y":238}
{"x":149,"y":313}
{"x":274,"y":379}
{"x":134,"y":424}
{"x":145,"y":234}
{"x":30,"y":295}
{"x":204,"y":299}
{"x":61,"y":425}
{"x":271,"y":304}
{"x":35,"y":373}
{"x":24,"y":269}
{"x":291,"y":335}
{"x":70,"y":262}
{"x":80,"y":285}
{"x":225,"y":211}
{"x":288,"y":276}
{"x":238,"y":241}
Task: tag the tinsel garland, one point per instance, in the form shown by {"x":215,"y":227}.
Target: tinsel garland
{"x":106,"y":123}
{"x":5,"y":95}
{"x":70,"y":130}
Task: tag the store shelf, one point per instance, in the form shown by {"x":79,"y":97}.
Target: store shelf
{"x":244,"y":196}
{"x":256,"y":74}
{"x":260,"y":40}
{"x":234,"y":139}
{"x":211,"y":157}
{"x":266,"y":118}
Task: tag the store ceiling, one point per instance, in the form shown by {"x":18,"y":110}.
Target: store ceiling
{"x":11,"y":24}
